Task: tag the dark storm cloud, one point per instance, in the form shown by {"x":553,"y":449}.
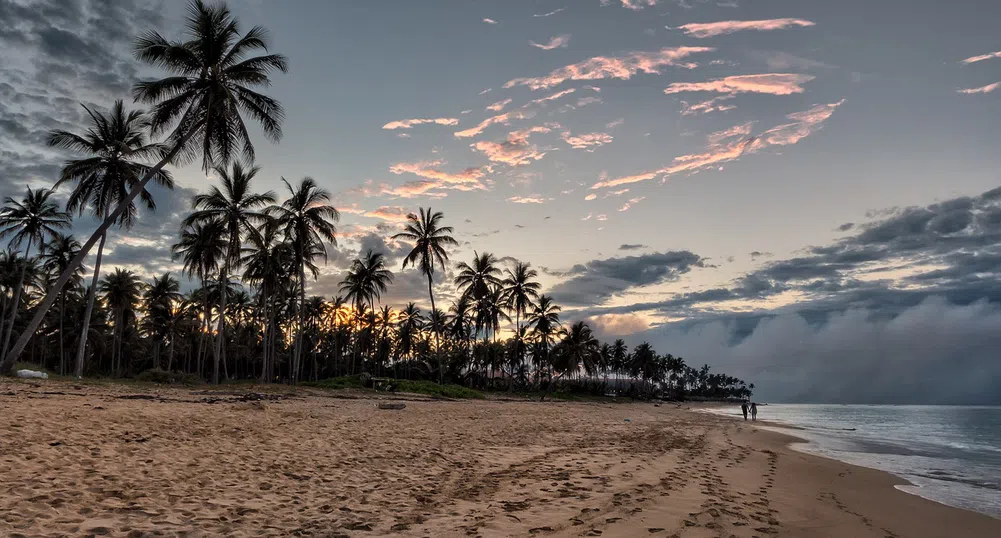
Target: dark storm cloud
{"x":57,"y":54}
{"x":597,"y":280}
{"x":627,"y":246}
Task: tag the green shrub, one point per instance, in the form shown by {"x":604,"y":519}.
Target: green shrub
{"x":436,"y":390}
{"x":163,"y":377}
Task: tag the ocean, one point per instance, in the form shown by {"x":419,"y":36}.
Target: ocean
{"x":949,"y":454}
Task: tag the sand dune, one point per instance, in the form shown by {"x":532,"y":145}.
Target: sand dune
{"x":98,"y":460}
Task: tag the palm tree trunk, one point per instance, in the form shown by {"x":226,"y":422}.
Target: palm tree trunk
{"x":91,"y":295}
{"x":264,"y":338}
{"x":301,"y":315}
{"x":7,"y":362}
{"x":170,"y":353}
{"x":437,"y":336}
{"x":17,"y":300}
{"x":62,"y":348}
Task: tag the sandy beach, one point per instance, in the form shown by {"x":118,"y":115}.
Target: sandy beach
{"x":122,"y":461}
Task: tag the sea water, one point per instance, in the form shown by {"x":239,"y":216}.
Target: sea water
{"x":949,"y":454}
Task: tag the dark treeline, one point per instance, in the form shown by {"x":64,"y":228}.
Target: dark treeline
{"x":253,"y":254}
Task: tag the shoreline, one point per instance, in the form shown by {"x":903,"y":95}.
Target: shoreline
{"x":143,"y":462}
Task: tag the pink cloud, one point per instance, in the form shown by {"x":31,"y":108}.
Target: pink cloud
{"x":515,"y":151}
{"x":387,"y":213}
{"x":710,"y":29}
{"x":533,"y":199}
{"x":550,"y":14}
{"x":590,"y":197}
{"x":588,"y":217}
{"x":489,"y":21}
{"x":617,"y":193}
{"x":584,"y":101}
{"x":407,"y":124}
{"x":622,"y":67}
{"x":499,"y":105}
{"x":632,"y":201}
{"x":504,"y":119}
{"x":770,"y":83}
{"x":983,"y":89}
{"x":730,"y":144}
{"x":560,"y":41}
{"x":552,"y":97}
{"x":614,"y":124}
{"x":589,"y":141}
{"x":713,"y":105}
{"x":982,"y":57}
{"x":433,"y":179}
{"x":601,"y":217}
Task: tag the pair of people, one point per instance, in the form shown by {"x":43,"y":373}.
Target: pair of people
{"x":753,"y":408}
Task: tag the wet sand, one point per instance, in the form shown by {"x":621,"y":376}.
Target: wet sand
{"x":122,"y":461}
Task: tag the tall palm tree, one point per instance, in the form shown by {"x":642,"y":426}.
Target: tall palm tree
{"x":160,"y":299}
{"x":116,"y":149}
{"x":201,"y":104}
{"x":58,"y":254}
{"x":202,"y":247}
{"x":121,"y":290}
{"x":267,"y":265}
{"x":578,"y":347}
{"x":409,"y":325}
{"x":367,"y":279}
{"x":430,"y":239}
{"x":545,"y":321}
{"x":239,"y":210}
{"x":28,"y":222}
{"x":307,"y":220}
{"x":520,"y":292}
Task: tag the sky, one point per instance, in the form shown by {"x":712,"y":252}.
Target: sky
{"x":797,"y":192}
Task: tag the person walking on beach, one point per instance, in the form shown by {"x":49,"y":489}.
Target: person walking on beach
{"x":743,"y":408}
{"x":754,"y":411}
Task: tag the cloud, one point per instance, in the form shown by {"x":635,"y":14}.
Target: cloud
{"x":704,"y":107}
{"x":621,"y":67}
{"x":710,"y":29}
{"x":632,"y":201}
{"x":503,"y":119}
{"x":434,"y":180}
{"x":584,"y":101}
{"x":637,"y":5}
{"x":598,"y":280}
{"x":489,"y":21}
{"x":770,"y":83}
{"x":615,"y":123}
{"x":783,"y":60}
{"x":515,"y":150}
{"x":601,"y":217}
{"x":386,"y":213}
{"x":590,"y":197}
{"x":608,"y":326}
{"x":982,"y":57}
{"x":407,"y":124}
{"x":552,"y":97}
{"x":588,"y":141}
{"x":724,"y":148}
{"x":627,"y":246}
{"x":534,"y":199}
{"x":983,"y":89}
{"x":499,"y":105}
{"x":560,"y":41}
{"x":550,"y":14}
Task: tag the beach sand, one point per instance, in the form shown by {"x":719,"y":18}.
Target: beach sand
{"x":106,"y":460}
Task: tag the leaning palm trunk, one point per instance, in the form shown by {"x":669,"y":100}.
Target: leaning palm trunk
{"x":17,"y":299}
{"x":221,"y":337}
{"x":50,"y":296}
{"x":437,"y":336}
{"x":81,"y":350}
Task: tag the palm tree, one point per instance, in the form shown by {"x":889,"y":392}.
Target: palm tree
{"x":367,"y":279}
{"x":58,"y":254}
{"x":201,"y":104}
{"x":159,"y":298}
{"x":578,"y":347}
{"x":202,"y":246}
{"x":409,"y":325}
{"x":121,"y":291}
{"x":520,"y":290}
{"x":430,"y":240}
{"x":116,"y":148}
{"x":28,"y":222}
{"x":237,"y":209}
{"x":267,"y":265}
{"x":307,"y":221}
{"x":545,"y":321}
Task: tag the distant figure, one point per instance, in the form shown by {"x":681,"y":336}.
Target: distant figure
{"x":754,"y":411}
{"x":743,"y":408}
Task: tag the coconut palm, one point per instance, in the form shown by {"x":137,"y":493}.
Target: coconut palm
{"x":430,"y":240}
{"x":267,"y":265}
{"x":520,"y":291}
{"x":307,"y":221}
{"x":121,"y":291}
{"x":29,"y":222}
{"x":545,"y":322}
{"x":201,"y":104}
{"x":58,"y":254}
{"x":159,"y":299}
{"x":578,"y":347}
{"x":239,"y":210}
{"x":116,"y":148}
{"x":202,"y":247}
